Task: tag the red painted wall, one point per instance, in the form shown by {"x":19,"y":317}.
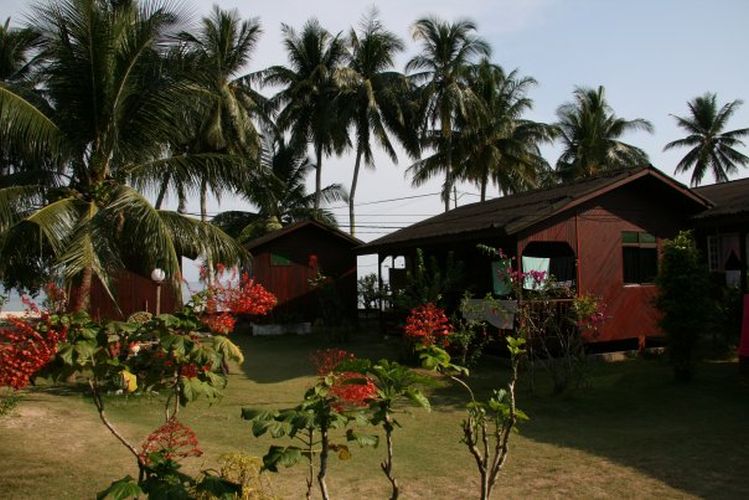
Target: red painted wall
{"x":309,"y":248}
{"x":594,"y":229}
{"x":133,"y":293}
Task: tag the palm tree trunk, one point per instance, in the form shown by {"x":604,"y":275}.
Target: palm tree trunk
{"x":204,"y":218}
{"x":83,"y":294}
{"x":162,"y":192}
{"x":204,"y":200}
{"x":352,"y":194}
{"x":448,"y":172}
{"x":484,"y":182}
{"x":182,"y":203}
{"x":318,"y":177}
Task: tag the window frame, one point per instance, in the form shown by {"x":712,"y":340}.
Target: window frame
{"x":642,"y":241}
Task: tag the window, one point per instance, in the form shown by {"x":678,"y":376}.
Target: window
{"x":640,"y":257}
{"x":277,"y":259}
{"x":713,"y":253}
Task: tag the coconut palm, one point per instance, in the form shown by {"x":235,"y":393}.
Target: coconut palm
{"x":711,"y":148}
{"x":591,"y":133}
{"x":447,"y":51}
{"x":17,"y":52}
{"x":309,"y":97}
{"x":214,"y":58}
{"x":373,"y":95}
{"x":108,"y":114}
{"x":500,"y":147}
{"x":278,"y":190}
{"x":19,"y":56}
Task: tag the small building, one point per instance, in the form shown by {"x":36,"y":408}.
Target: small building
{"x":287,"y":260}
{"x":723,"y":231}
{"x":603,"y":235}
{"x":133,"y":293}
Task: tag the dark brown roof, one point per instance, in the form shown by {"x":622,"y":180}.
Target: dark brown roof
{"x":262,"y":240}
{"x":510,"y":214}
{"x":730,"y":198}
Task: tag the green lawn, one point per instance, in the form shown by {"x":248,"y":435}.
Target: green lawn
{"x":634,"y":433}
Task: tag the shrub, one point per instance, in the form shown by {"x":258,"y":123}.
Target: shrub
{"x":683,"y":301}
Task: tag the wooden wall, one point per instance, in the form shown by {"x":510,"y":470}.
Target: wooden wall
{"x":309,"y":248}
{"x":593,"y":231}
{"x":133,"y":293}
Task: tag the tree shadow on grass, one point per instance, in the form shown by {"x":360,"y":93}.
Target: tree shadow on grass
{"x":692,"y":437}
{"x":274,"y":359}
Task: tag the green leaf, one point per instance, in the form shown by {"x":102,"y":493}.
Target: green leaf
{"x":419,"y":398}
{"x":66,"y":354}
{"x":228,"y":349}
{"x":279,"y":455}
{"x":122,"y":489}
{"x":217,"y":487}
{"x":85,"y":350}
{"x":363,"y":439}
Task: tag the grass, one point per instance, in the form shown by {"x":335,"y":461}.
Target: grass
{"x":633,"y":433}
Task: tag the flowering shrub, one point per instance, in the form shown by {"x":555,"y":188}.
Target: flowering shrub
{"x":325,"y":361}
{"x":172,"y":441}
{"x":229,"y":295}
{"x":348,"y":387}
{"x":427,"y":324}
{"x":26,"y":347}
{"x":173,"y":354}
{"x":589,"y":313}
{"x":352,"y":389}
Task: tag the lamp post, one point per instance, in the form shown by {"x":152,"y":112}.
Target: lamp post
{"x":157,"y":276}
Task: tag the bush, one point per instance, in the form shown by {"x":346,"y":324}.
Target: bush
{"x":683,"y":301}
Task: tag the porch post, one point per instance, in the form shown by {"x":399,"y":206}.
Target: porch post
{"x":744,"y":339}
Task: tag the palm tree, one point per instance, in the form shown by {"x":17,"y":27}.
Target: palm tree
{"x":373,"y":94}
{"x":279,"y":192}
{"x":19,"y":58}
{"x":214,"y":58}
{"x":711,"y":147}
{"x":108,"y":114}
{"x":17,"y":47}
{"x":310,"y":96}
{"x":499,"y":147}
{"x":590,"y":134}
{"x":447,"y":51}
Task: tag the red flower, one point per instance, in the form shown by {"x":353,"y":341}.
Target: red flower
{"x":25,"y":349}
{"x":173,"y":440}
{"x":353,"y":389}
{"x":325,"y":361}
{"x":188,"y":371}
{"x":427,"y":324}
{"x":221,"y":323}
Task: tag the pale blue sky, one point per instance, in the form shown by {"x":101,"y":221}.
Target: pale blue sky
{"x":651,"y":55}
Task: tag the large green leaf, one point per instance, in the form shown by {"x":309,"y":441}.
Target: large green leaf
{"x":25,"y":126}
{"x":287,"y":456}
{"x":122,"y":489}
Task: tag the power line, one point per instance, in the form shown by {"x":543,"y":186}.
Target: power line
{"x":412,"y":197}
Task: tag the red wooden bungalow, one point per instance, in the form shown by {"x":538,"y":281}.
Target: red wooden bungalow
{"x":602,"y":234}
{"x":285,"y":261}
{"x":134,"y":293}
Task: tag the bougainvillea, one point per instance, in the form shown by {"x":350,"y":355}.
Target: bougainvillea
{"x":24,"y":350}
{"x":325,"y":361}
{"x":173,"y":441}
{"x":427,"y":324}
{"x":589,"y":313}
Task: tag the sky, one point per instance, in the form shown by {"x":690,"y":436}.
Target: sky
{"x":652,"y":56}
